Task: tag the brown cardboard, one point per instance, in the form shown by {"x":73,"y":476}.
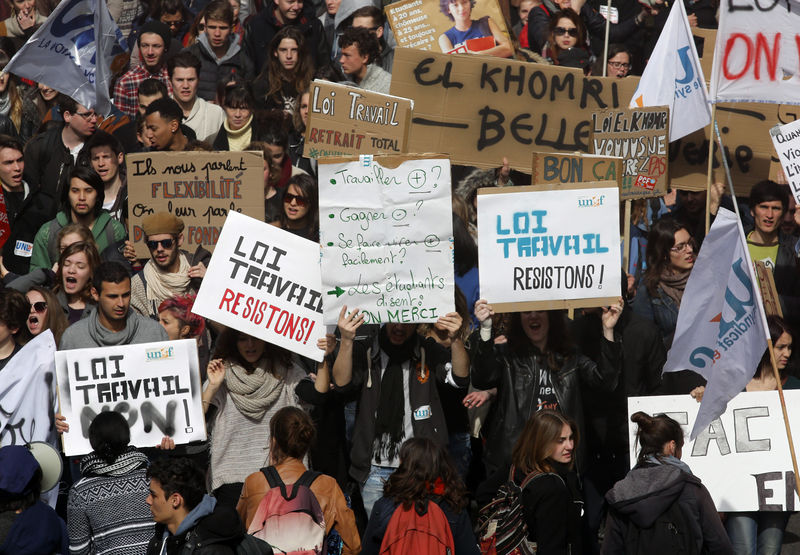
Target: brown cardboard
{"x":561,"y":167}
{"x":199,"y":187}
{"x":769,"y":294}
{"x":385,"y":160}
{"x":346,"y":120}
{"x":641,"y":137}
{"x":451,"y":99}
{"x":420,"y":24}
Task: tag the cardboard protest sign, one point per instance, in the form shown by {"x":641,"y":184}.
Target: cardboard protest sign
{"x":543,"y":249}
{"x":769,"y":294}
{"x":386,"y":231}
{"x":265,"y":282}
{"x":476,"y":26}
{"x":156,"y":386}
{"x":640,"y":137}
{"x":480,"y":109}
{"x":346,"y":120}
{"x":198,"y":187}
{"x":786,"y":139}
{"x":746,"y":446}
{"x":560,"y":167}
{"x":757,"y":50}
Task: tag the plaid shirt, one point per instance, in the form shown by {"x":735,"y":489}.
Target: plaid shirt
{"x":126,"y":91}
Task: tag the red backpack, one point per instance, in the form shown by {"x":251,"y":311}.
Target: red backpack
{"x":290,"y":522}
{"x":410,"y":532}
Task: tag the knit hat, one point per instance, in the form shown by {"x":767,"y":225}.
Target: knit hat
{"x":162,"y":223}
{"x":19,"y":466}
{"x":159,"y":29}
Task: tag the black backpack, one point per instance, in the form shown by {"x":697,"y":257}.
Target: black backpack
{"x":669,"y":535}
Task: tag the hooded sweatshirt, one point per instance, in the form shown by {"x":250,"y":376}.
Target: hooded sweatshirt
{"x":213,"y":69}
{"x":648,"y":491}
{"x":89,"y":332}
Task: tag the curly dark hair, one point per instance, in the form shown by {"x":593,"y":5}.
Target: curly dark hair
{"x":366,"y":42}
{"x":14,"y":311}
{"x":179,"y":475}
{"x":559,"y":338}
{"x":423,"y":462}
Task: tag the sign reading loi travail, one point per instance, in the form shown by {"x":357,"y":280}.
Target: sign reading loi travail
{"x":746,"y":447}
{"x":640,"y":138}
{"x":156,"y":386}
{"x":549,"y":247}
{"x":386,"y":232}
{"x":198,"y":187}
{"x":344,"y":121}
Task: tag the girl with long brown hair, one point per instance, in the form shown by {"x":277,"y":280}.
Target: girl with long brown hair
{"x":426,"y":475}
{"x":76,"y":266}
{"x":287,"y":73}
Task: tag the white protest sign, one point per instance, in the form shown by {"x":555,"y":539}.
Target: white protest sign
{"x":386,"y":230}
{"x":265,"y":282}
{"x":786,"y":139}
{"x":548,"y":247}
{"x":156,"y":386}
{"x":743,"y":457}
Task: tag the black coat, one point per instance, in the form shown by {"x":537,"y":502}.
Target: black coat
{"x":212,"y":72}
{"x":215,"y":534}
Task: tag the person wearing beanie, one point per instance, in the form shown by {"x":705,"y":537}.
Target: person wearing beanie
{"x":27,"y":525}
{"x":170,"y":270}
{"x":154,"y":41}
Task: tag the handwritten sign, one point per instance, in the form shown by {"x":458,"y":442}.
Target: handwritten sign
{"x":559,"y":167}
{"x":346,"y":120}
{"x":786,"y":139}
{"x":422,"y":24}
{"x":757,"y":53}
{"x":640,"y":138}
{"x":480,"y":109}
{"x":199,"y":187}
{"x":156,"y":386}
{"x":746,"y":446}
{"x":545,"y":249}
{"x":265,"y":282}
{"x":386,"y":230}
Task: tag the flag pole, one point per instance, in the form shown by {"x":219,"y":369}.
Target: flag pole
{"x":710,"y":166}
{"x":785,"y":413}
{"x":626,"y":236}
{"x":605,"y":45}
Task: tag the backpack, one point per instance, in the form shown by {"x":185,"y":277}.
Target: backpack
{"x":250,"y":545}
{"x":410,"y":532}
{"x":502,"y":529}
{"x":290,"y":522}
{"x":669,"y":534}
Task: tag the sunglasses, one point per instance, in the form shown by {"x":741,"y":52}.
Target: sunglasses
{"x":300,"y":200}
{"x":572,"y":31}
{"x":165,"y":243}
{"x":39,"y":306}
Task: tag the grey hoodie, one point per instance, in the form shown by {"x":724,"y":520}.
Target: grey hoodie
{"x":647,"y":492}
{"x":89,"y":333}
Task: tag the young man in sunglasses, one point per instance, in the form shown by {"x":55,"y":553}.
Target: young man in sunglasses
{"x":170,"y":270}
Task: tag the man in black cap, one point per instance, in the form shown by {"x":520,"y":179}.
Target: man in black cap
{"x":154,"y":41}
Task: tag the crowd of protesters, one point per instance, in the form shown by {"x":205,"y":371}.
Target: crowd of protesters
{"x":399,"y":415}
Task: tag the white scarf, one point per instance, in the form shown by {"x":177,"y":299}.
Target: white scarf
{"x":162,"y":285}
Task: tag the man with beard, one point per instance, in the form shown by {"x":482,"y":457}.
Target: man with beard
{"x":170,"y":270}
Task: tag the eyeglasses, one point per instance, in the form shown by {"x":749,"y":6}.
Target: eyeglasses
{"x":87,"y":115}
{"x":39,"y":306}
{"x":173,"y":24}
{"x":619,"y":65}
{"x":165,"y":243}
{"x":300,"y":200}
{"x":572,"y":31}
{"x":681,"y":247}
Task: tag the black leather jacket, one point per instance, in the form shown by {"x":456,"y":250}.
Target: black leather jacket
{"x":516,"y":375}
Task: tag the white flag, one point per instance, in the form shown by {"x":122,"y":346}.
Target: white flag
{"x":72,"y":52}
{"x":673,"y":77}
{"x":722,"y":330}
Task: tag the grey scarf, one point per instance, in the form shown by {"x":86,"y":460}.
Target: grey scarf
{"x":253,"y":394}
{"x":106,"y":337}
{"x":132,"y":459}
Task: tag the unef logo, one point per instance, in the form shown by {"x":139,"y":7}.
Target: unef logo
{"x":594,"y":200}
{"x":75,"y":22}
{"x":164,"y":353}
{"x":737,"y":317}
